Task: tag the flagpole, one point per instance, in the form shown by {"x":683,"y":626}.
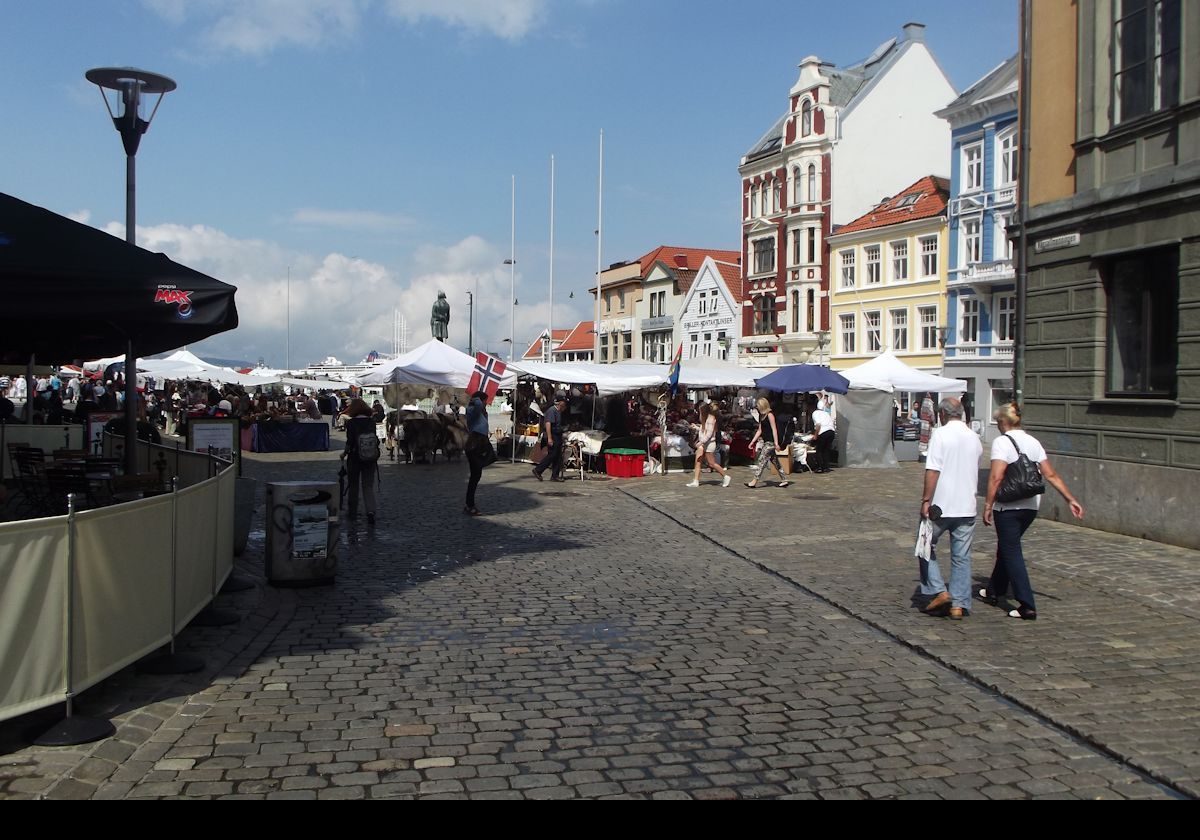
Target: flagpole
{"x":550,"y":328}
{"x":599,"y":252}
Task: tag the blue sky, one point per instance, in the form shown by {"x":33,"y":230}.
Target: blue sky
{"x":369,"y":144}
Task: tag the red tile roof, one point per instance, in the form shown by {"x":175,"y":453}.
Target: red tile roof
{"x":535,"y":350}
{"x":731,"y":273}
{"x":693,"y":256}
{"x":933,"y":195}
{"x":580,"y":338}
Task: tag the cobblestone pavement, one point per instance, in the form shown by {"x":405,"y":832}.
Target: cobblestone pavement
{"x":639,"y":639}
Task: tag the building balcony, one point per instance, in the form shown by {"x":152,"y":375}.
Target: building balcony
{"x":983,"y":274}
{"x":1000,"y":351}
{"x":977,"y":201}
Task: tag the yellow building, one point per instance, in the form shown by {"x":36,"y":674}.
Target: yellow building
{"x":888,"y":285}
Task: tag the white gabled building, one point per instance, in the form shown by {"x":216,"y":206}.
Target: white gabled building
{"x":849,"y":135}
{"x":710,"y":315}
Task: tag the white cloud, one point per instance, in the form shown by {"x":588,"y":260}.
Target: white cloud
{"x":257,"y":27}
{"x":81,"y":216}
{"x":342,"y":305}
{"x":353,"y":219}
{"x":510,"y":19}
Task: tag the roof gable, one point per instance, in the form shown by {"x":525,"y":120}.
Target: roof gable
{"x":578,"y":339}
{"x":925,"y":199}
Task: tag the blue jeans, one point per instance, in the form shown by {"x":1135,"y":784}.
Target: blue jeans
{"x":962,"y":532}
{"x":1010,"y":559}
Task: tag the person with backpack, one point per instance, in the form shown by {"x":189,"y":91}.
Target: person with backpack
{"x":362,"y":457}
{"x":1013,"y":517}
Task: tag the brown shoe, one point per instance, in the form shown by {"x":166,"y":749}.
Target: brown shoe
{"x":958,"y":613}
{"x":938,"y":604}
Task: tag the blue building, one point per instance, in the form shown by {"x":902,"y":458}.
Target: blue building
{"x":981,"y":299}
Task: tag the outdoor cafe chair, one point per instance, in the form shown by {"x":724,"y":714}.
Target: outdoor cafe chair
{"x":61,"y":481}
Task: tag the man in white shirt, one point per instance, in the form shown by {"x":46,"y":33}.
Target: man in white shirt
{"x":951,"y":479}
{"x":824,"y":433}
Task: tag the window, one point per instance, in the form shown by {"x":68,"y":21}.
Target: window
{"x":628,"y":346}
{"x":899,"y":261}
{"x":812,"y":246}
{"x":795,"y":311}
{"x":776,"y":200}
{"x":694,"y":346}
{"x":806,"y":123}
{"x":764,"y":255}
{"x":848,"y":333}
{"x":871,"y":254}
{"x":708,"y":348}
{"x":603,"y":348}
{"x":703,"y":298}
{"x":812,"y":310}
{"x":871,"y":322}
{"x":753,"y":201}
{"x":797,"y":246}
{"x":1143,"y":304}
{"x":1146,"y":40}
{"x":972,"y":242}
{"x":621,"y":301}
{"x":1003,"y":248}
{"x":812,"y":182}
{"x":658,"y":304}
{"x":722,"y":347}
{"x":847,"y":258}
{"x":797,"y":186}
{"x":973,"y":167}
{"x":929,"y":326}
{"x":764,"y":315}
{"x":1006,"y":317}
{"x":1008,"y":158}
{"x":929,"y":256}
{"x":969,"y":334}
{"x":899,"y":329}
{"x":765,"y":195}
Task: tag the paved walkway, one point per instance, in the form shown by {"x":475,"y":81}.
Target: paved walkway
{"x":641,"y":639}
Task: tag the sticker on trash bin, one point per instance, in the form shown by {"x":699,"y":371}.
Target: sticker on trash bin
{"x":310,"y":532}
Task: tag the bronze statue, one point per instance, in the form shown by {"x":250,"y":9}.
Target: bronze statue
{"x":440,"y":321}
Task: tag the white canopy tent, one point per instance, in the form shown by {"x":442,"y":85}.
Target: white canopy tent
{"x":633,"y":376}
{"x":865,"y":415}
{"x":432,"y":370}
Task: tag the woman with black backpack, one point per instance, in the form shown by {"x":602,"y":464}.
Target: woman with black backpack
{"x":1013,"y":517}
{"x":362,"y":457}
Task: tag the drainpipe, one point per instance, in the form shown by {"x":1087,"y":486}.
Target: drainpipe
{"x":1019,"y":344}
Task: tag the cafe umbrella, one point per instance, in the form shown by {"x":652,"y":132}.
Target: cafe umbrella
{"x":71,"y":292}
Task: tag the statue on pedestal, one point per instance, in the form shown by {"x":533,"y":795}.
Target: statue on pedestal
{"x":440,"y":320}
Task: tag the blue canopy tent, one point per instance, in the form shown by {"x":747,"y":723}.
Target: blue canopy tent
{"x":800,"y":379}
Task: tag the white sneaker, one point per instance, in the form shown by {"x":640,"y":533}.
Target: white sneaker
{"x":692,"y":484}
{"x":728,"y":479}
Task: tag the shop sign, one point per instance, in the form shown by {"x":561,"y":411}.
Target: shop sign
{"x":762,"y":349}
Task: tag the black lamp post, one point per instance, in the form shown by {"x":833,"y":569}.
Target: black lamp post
{"x":130,"y":88}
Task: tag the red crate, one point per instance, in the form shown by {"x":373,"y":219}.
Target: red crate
{"x":624,"y":466}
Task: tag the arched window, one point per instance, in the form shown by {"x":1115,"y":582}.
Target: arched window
{"x":806,"y":119}
{"x":795,"y":311}
{"x":812,"y":182}
{"x":812,"y":310}
{"x":797,"y":186}
{"x":753,"y":201}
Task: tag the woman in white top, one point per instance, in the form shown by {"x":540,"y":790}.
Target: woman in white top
{"x":1012,"y":519}
{"x":706,"y":446}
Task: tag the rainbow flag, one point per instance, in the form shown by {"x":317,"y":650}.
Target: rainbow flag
{"x":673,"y":376}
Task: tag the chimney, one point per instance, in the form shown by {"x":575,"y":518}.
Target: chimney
{"x":681,"y":261}
{"x":914,"y":32}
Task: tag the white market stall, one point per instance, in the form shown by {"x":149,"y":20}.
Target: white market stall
{"x":866,"y":414}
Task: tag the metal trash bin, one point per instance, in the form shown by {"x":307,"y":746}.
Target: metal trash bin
{"x":302,"y":532}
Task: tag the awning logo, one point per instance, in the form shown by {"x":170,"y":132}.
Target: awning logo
{"x":178,"y":297}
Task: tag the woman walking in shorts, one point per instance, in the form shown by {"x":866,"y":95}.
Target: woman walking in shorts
{"x":706,"y":446}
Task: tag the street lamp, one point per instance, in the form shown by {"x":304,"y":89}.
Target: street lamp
{"x":130,"y":88}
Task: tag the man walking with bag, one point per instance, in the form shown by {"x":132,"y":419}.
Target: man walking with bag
{"x":552,"y":425}
{"x":951,"y":478}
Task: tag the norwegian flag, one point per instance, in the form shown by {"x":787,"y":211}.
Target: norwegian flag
{"x":487,"y":375}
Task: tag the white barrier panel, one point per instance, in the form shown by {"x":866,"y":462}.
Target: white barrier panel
{"x":225,"y":513}
{"x":197,"y":518}
{"x":122,"y":586}
{"x":33,"y":574}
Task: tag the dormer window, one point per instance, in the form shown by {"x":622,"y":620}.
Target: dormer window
{"x":806,"y":119}
{"x":908,"y":201}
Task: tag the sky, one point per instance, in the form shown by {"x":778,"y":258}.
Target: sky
{"x":355,"y":157}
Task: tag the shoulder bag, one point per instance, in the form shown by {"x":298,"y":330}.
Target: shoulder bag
{"x":1022,"y":478}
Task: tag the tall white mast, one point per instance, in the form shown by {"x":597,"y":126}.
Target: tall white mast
{"x":550,"y":327}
